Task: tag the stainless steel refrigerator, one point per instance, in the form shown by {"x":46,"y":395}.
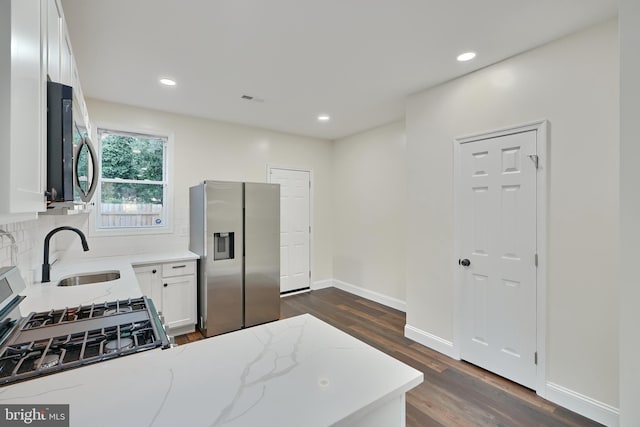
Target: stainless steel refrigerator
{"x":235,"y":228}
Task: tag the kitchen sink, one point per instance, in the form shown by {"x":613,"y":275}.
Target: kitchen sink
{"x":88,"y":278}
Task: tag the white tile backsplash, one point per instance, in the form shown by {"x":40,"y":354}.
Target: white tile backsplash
{"x":29,"y":236}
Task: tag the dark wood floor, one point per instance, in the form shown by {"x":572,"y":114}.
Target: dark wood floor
{"x":453,"y":393}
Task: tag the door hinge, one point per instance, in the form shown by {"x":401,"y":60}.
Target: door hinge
{"x":309,"y":274}
{"x":309,"y":184}
{"x":536,"y":259}
{"x":535,"y":159}
{"x":309,"y":229}
{"x":535,"y":357}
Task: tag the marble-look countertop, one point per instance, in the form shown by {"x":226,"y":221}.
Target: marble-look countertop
{"x":45,"y":296}
{"x":294,"y":372}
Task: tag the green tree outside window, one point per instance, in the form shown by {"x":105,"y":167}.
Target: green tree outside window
{"x":132,"y":180}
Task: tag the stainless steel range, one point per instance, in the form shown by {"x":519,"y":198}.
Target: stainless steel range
{"x":52,"y":341}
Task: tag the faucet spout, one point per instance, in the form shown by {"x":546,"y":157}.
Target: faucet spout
{"x":46,"y":267}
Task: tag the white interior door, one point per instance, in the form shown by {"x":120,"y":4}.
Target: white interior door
{"x":497,"y":196}
{"x":295,"y":227}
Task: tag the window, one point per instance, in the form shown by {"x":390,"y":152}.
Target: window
{"x":133,"y":181}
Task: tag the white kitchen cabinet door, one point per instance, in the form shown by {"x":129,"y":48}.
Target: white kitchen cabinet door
{"x":66,"y":59}
{"x":179,"y":301}
{"x":80,"y":113}
{"x":22,"y":108}
{"x":53,"y":39}
{"x":150,"y":282}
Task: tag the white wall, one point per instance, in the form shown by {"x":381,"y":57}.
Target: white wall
{"x":207,"y":149}
{"x":629,"y":12}
{"x":369,"y":204}
{"x":572,"y":82}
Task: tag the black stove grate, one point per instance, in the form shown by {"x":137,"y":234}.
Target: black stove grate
{"x":23,"y":359}
{"x":56,"y":317}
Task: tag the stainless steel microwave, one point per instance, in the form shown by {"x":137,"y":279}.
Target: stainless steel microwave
{"x":72,"y":165}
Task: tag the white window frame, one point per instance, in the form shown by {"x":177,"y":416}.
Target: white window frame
{"x":168,"y":227}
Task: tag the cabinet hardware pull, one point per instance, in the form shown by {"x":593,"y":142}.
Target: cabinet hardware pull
{"x":166,"y":284}
{"x":154,"y":271}
{"x":179,"y":266}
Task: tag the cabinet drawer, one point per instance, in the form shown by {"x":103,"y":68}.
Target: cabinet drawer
{"x":178,"y":268}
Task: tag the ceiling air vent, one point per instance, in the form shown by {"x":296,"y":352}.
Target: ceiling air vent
{"x":251,"y":98}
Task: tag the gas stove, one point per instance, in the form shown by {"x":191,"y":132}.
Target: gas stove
{"x":68,"y":315}
{"x":55,"y":340}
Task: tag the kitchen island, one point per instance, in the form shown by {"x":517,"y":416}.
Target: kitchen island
{"x":294,"y":372}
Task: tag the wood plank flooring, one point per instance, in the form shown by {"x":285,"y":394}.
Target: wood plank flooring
{"x":453,"y":393}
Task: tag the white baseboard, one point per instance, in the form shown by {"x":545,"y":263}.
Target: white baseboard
{"x":583,"y":405}
{"x":321,"y":284}
{"x":432,"y":341}
{"x":370,"y":295}
{"x":574,"y":401}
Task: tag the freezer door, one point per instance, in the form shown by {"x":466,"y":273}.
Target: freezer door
{"x":222,"y":292}
{"x":262,"y":253}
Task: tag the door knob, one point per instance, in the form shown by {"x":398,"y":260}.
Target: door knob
{"x":464,"y":262}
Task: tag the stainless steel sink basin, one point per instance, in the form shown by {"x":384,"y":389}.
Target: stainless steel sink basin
{"x":88,"y":278}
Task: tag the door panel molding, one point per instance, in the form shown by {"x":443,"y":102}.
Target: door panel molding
{"x":542,"y":140}
{"x":274,"y":167}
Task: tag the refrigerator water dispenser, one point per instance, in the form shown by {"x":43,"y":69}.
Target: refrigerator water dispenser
{"x":223,"y":246}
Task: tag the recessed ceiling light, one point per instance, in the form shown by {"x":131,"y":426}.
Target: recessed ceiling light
{"x":467,"y":56}
{"x":324,"y":118}
{"x":168,"y":82}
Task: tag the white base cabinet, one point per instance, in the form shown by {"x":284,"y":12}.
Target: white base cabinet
{"x":172,"y":287}
{"x":150,"y":281}
{"x":179,"y":301}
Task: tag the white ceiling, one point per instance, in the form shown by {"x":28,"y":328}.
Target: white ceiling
{"x":356,"y":60}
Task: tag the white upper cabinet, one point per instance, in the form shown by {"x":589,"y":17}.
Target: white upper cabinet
{"x":53,"y":39}
{"x":66,"y":59}
{"x":22,"y":108}
{"x":61,"y":66}
{"x":34,"y":47}
{"x":81,"y":114}
{"x":59,"y":54}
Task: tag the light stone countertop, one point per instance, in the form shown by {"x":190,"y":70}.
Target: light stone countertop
{"x":46,"y":296}
{"x":294,"y":372}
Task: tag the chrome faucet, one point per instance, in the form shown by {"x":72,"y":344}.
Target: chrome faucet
{"x":46,"y":268}
{"x":14,"y":247}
